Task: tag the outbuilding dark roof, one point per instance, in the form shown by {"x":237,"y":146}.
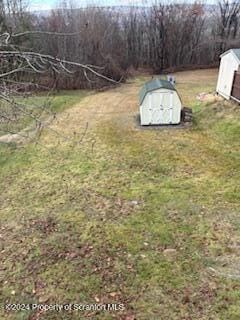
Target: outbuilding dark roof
{"x":152,"y":85}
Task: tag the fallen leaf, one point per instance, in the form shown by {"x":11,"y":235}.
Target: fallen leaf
{"x":43,"y":299}
{"x":113,"y":294}
{"x":170,"y":252}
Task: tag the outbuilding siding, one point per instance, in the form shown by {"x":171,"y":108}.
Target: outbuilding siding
{"x":236,"y":86}
{"x":229,"y":64}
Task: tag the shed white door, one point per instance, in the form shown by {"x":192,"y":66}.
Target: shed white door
{"x":161,"y":107}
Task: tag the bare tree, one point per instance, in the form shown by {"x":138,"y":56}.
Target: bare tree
{"x":227,"y":23}
{"x":21,"y":64}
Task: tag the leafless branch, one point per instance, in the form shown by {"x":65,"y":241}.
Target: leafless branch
{"x":49,"y":61}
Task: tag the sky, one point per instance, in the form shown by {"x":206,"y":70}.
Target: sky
{"x":36,"y":5}
{"x":49,"y":4}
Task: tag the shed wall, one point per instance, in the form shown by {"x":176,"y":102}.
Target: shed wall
{"x":156,"y":107}
{"x":228,"y":66}
{"x":236,"y":86}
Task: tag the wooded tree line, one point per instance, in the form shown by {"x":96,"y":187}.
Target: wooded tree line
{"x":116,"y":41}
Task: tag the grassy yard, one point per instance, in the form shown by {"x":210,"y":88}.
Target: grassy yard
{"x":40,"y":106}
{"x":116,"y":214}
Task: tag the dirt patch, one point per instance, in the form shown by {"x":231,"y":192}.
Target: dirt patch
{"x":208,"y":97}
{"x":20,"y":137}
{"x":27,"y":134}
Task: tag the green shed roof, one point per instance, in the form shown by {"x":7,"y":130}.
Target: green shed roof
{"x":152,"y":85}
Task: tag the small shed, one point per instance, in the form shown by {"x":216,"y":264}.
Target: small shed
{"x":229,"y":65}
{"x":159,"y":103}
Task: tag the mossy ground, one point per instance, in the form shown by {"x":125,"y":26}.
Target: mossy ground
{"x":91,"y":222}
